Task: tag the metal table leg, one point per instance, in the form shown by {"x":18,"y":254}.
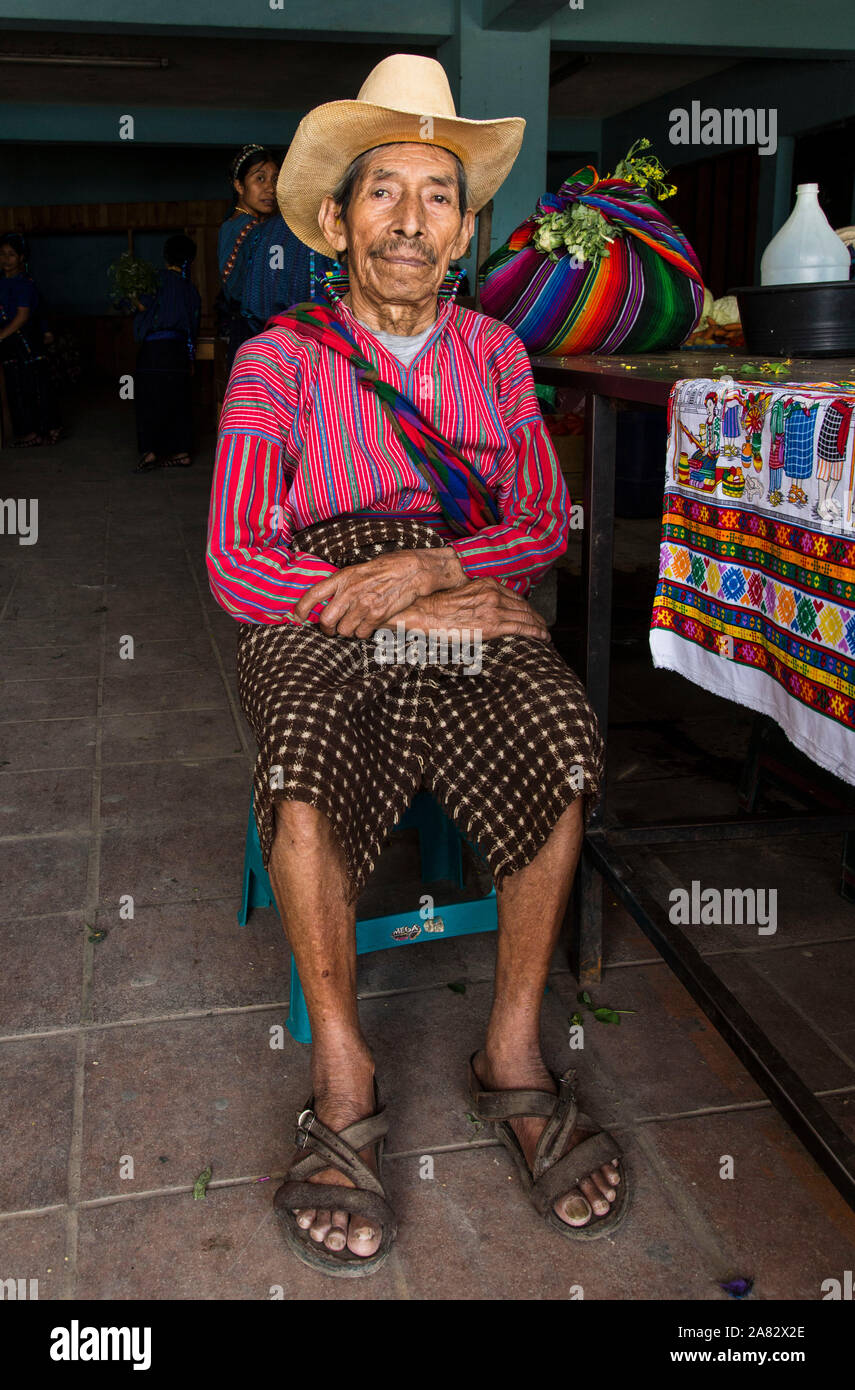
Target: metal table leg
{"x":586,"y":952}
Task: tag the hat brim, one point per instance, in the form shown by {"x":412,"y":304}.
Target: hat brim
{"x":330,"y":137}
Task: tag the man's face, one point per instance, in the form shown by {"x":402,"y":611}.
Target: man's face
{"x":403,"y":226}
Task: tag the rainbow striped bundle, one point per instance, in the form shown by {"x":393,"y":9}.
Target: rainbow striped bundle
{"x":644,"y":296}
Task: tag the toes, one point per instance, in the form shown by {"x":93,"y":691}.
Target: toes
{"x":603,"y":1185}
{"x":336,"y":1237}
{"x":610,"y":1172}
{"x":305,"y":1217}
{"x":320,"y":1225}
{"x":574,"y":1209}
{"x":363,"y":1237}
{"x":589,"y":1189}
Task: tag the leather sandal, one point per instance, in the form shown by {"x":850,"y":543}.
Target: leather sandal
{"x":323,"y":1148}
{"x":555,"y":1173}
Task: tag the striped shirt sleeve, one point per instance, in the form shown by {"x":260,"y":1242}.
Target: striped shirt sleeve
{"x":532,"y":498}
{"x":253,"y":571}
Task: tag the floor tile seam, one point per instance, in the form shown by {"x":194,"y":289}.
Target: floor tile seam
{"x":147,"y":1020}
{"x":687,"y":1210}
{"x":38,"y":680}
{"x":654,"y":866}
{"x":736,"y":1107}
{"x":93,"y":876}
{"x":814,"y":1026}
{"x":234,"y":707}
{"x":740,"y":951}
{"x":19,"y":569}
{"x":36,"y":917}
{"x":186,"y":758}
{"x":109,"y":1199}
{"x":27,"y":836}
{"x":110,"y":714}
{"x":46,"y":646}
{"x":424,"y":1150}
{"x":26,"y":1212}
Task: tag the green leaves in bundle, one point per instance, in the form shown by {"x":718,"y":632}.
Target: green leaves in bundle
{"x":584,"y":232}
{"x":130,"y":277}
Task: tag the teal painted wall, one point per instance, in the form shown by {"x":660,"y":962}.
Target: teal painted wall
{"x":36,"y":175}
{"x":152,"y":125}
{"x":729,"y":26}
{"x":326,"y":18}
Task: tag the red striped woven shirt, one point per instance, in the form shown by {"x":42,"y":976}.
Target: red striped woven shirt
{"x":300,"y":441}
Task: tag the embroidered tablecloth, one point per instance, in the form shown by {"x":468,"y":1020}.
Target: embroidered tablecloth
{"x":756,"y":592}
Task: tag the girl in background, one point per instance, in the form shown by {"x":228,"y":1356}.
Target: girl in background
{"x":264,"y":267}
{"x":30,"y":390}
{"x":166,"y":327}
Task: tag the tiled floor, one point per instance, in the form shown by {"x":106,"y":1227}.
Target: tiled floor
{"x":136,"y":1016}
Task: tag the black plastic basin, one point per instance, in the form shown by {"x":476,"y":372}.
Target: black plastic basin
{"x":815,"y":320}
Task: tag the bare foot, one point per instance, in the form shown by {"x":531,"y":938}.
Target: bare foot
{"x":593,"y":1195}
{"x":350,"y":1097}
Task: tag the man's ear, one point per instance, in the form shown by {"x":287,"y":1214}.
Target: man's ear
{"x":467,"y":231}
{"x":332,"y":225}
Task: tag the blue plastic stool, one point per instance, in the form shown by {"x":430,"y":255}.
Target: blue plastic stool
{"x":440,"y":847}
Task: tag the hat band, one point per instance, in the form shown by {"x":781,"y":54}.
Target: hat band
{"x":406,"y":137}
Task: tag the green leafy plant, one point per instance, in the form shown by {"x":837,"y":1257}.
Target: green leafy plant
{"x":130,"y":277}
{"x":583,"y":231}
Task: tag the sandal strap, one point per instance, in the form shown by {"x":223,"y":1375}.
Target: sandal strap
{"x":580,"y":1162}
{"x":559,"y":1127}
{"x":324,"y":1148}
{"x":506,"y":1105}
{"x":296,"y":1196}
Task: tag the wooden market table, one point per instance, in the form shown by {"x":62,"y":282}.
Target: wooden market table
{"x":608,"y":845}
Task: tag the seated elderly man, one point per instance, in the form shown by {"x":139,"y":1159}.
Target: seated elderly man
{"x":382,"y":460}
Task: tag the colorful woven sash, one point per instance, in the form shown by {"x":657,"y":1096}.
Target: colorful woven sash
{"x":646,"y":296}
{"x":463,"y":496}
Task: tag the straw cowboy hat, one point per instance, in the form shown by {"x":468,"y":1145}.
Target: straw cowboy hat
{"x":405,"y":98}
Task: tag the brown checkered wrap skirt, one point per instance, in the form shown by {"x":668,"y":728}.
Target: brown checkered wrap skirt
{"x":504,"y":751}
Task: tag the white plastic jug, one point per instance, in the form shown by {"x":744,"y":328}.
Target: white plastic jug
{"x":806,"y":248}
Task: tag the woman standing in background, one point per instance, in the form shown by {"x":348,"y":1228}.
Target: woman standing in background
{"x":264,"y":267}
{"x":166,"y":327}
{"x":29,"y":389}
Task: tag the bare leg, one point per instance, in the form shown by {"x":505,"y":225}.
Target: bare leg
{"x":309,"y":879}
{"x":531,"y":909}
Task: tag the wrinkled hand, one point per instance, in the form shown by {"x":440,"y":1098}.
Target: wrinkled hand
{"x":481,"y":604}
{"x":362,"y":598}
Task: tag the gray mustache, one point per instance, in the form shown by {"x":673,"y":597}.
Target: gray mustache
{"x":395,"y":248}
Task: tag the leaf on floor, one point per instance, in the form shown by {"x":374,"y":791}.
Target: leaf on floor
{"x":458,"y":986}
{"x":606,"y":1015}
{"x":201,"y":1184}
{"x":603,"y":1013}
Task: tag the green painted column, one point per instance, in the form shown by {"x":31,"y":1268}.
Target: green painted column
{"x":495,"y":73}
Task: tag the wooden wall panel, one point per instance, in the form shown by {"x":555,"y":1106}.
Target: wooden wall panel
{"x":99,"y":217}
